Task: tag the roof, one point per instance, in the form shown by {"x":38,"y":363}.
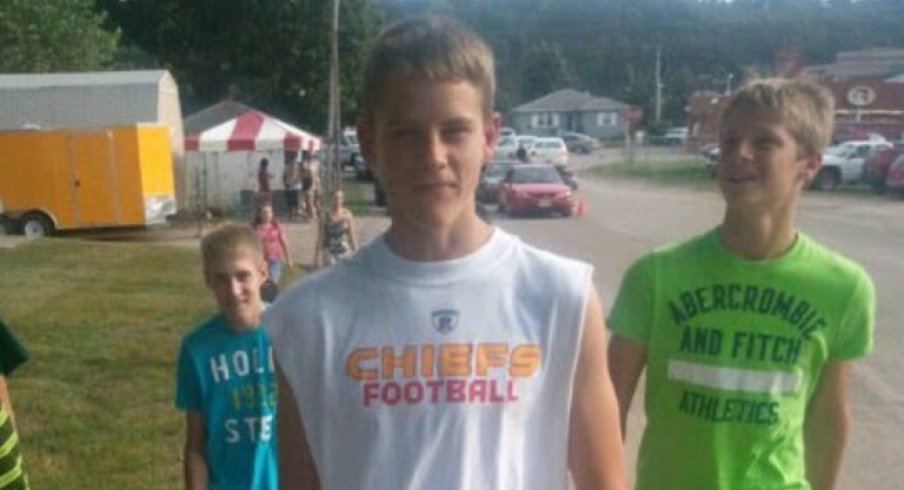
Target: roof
{"x":871,"y":62}
{"x":566,"y":100}
{"x":213,"y":116}
{"x":89,"y":99}
{"x":97,"y":78}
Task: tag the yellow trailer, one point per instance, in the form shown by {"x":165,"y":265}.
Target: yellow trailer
{"x":68,"y":179}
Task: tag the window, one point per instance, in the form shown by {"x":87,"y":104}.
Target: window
{"x":606,"y":119}
{"x":545,"y":120}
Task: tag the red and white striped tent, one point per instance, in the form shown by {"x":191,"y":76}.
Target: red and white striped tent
{"x":222,"y":161}
{"x":252,"y":131}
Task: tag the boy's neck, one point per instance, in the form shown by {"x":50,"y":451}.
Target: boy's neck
{"x":238,"y":326}
{"x":433,"y":245}
{"x":757,"y":237}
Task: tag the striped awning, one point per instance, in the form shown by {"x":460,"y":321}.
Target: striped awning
{"x":252,"y":131}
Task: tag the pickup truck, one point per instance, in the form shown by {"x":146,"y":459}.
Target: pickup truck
{"x":843,"y":164}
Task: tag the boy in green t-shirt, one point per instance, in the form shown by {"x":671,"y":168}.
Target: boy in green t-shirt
{"x":747,"y":331}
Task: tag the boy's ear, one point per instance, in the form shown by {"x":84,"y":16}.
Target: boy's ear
{"x":811,"y":167}
{"x":491,"y":135}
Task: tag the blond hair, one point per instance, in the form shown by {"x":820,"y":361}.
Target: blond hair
{"x":430,"y":48}
{"x":808,"y":109}
{"x":223,"y":243}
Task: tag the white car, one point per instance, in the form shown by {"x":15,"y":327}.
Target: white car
{"x":843,"y":164}
{"x":526,"y":140}
{"x":550,"y":150}
{"x":505,"y":148}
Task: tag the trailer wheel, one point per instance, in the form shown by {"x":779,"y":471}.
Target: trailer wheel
{"x":36,"y":225}
{"x":7,"y":226}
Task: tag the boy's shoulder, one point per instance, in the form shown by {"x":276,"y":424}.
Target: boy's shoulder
{"x":830,"y":260}
{"x":203,"y":331}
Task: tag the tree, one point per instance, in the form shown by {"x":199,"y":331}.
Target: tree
{"x":272,"y":54}
{"x":53,"y":35}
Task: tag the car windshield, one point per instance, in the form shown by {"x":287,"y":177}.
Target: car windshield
{"x":536,"y":175}
{"x":496,"y":170}
{"x":352,"y":138}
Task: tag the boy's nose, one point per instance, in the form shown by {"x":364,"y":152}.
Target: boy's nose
{"x":433,"y":149}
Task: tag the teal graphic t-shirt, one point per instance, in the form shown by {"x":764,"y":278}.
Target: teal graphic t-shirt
{"x":735,"y":349}
{"x":229,"y":377}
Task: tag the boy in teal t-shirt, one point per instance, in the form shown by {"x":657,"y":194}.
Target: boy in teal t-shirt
{"x":225,"y":380}
{"x":747,"y":331}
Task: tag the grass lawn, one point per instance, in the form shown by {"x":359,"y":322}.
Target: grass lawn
{"x":690,"y":172}
{"x":102,"y":322}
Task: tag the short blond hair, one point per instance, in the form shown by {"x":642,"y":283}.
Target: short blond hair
{"x":224,"y":241}
{"x":808,"y":109}
{"x":430,"y":48}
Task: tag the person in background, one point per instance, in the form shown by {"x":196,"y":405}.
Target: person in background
{"x":225,"y":374}
{"x":273,"y":239}
{"x":310,"y":183}
{"x":292,"y":184}
{"x":336,"y":236}
{"x":12,"y":471}
{"x":263,"y":181}
{"x":747,"y":332}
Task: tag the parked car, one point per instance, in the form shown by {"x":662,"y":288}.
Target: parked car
{"x":535,"y":187}
{"x":843,"y":164}
{"x":895,"y":178}
{"x":525,"y":140}
{"x":550,"y":150}
{"x":349,"y":150}
{"x":675,"y":136}
{"x":578,"y":142}
{"x":506,"y":131}
{"x":710,"y":153}
{"x":505,"y":148}
{"x":875,"y":168}
{"x":490,"y":177}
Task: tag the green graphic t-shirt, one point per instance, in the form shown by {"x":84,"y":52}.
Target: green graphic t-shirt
{"x":735,"y":349}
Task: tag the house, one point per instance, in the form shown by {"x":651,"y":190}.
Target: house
{"x":96,"y":99}
{"x":571,"y":110}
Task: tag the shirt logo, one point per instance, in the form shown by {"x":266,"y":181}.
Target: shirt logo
{"x":445,"y":321}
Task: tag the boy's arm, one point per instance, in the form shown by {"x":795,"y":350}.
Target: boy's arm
{"x":595,"y":455}
{"x":827,"y":425}
{"x":195,"y":460}
{"x":296,"y":465}
{"x":5,"y":399}
{"x":627,"y":359}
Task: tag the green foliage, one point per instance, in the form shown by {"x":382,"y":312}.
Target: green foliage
{"x":272,"y":54}
{"x":53,"y":35}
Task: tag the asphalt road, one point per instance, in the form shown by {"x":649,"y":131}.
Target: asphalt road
{"x":625,"y":219}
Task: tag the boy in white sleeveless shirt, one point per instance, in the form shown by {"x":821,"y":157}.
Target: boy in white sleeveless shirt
{"x":446,"y":354}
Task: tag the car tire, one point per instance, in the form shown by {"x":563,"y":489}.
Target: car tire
{"x":827,"y":179}
{"x":37,"y":225}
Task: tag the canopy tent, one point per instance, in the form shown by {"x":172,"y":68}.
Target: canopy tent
{"x":223,"y":161}
{"x":252,"y":131}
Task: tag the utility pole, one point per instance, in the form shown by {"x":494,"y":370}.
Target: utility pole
{"x":658,"y":84}
{"x":334,"y":125}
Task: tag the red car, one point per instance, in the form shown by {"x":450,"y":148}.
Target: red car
{"x":875,"y":168}
{"x":537,"y":188}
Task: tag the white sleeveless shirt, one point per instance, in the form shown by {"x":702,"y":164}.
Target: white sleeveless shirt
{"x":437,"y":375}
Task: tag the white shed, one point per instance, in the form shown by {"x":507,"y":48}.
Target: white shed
{"x":96,"y":99}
